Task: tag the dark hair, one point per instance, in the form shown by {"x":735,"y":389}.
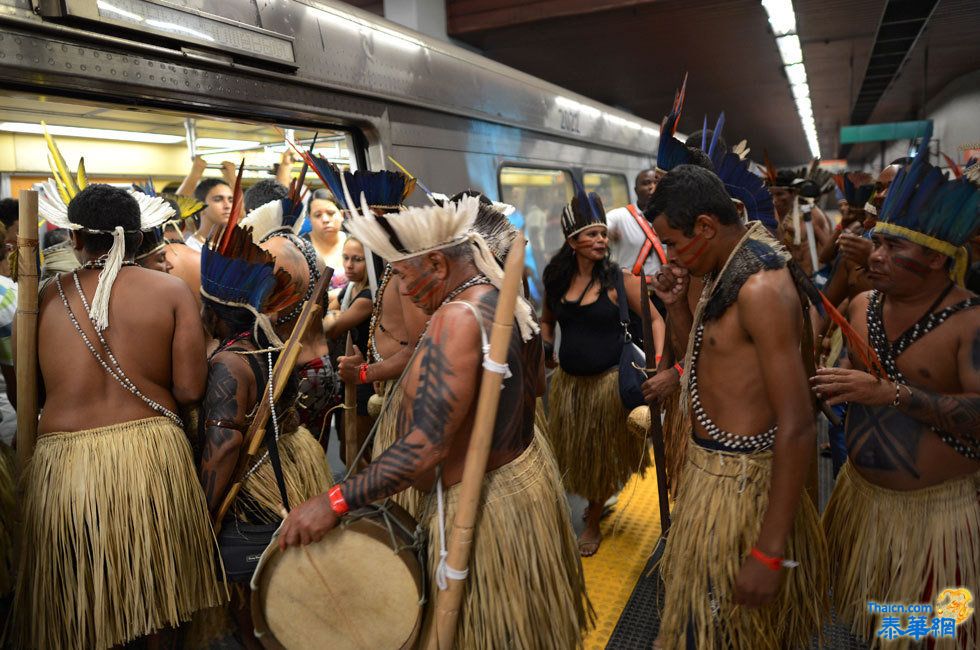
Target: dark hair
{"x":557,"y":276}
{"x":9,"y":211}
{"x":205,"y":186}
{"x":56,"y":236}
{"x":700,"y":159}
{"x":323,"y":195}
{"x":694,"y":140}
{"x":648,"y":170}
{"x":103,"y":207}
{"x":235,"y":319}
{"x":266,"y":190}
{"x":483,"y":198}
{"x":687,"y":192}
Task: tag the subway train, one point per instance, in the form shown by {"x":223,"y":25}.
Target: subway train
{"x":139,"y":87}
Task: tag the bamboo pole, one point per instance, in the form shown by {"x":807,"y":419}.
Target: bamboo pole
{"x":351,"y":444}
{"x":26,"y":324}
{"x":443,"y":632}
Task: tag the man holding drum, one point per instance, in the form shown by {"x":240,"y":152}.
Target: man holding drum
{"x":450,"y":274}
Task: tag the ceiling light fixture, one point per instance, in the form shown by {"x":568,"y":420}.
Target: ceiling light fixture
{"x":95,"y":134}
{"x":782,"y":19}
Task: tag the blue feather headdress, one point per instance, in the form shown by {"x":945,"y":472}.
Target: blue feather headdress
{"x":849,"y":187}
{"x":382,"y":189}
{"x":672,"y":152}
{"x":582,"y":212}
{"x":926,"y":208}
{"x":747,"y":188}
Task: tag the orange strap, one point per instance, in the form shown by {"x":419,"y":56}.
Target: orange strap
{"x":652,"y":242}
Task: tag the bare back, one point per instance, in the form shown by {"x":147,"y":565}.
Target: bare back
{"x":186,"y":263}
{"x":155,"y":333}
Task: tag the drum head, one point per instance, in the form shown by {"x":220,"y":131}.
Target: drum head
{"x":349,"y":590}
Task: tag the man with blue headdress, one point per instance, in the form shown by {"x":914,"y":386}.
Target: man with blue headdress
{"x":903,"y":523}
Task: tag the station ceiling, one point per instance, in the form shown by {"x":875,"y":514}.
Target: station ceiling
{"x":632,"y":54}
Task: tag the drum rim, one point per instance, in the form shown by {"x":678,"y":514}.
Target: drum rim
{"x":367,"y":517}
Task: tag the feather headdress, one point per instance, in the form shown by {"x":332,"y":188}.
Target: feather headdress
{"x":279,"y":214}
{"x":582,"y":212}
{"x":491,"y":222}
{"x":855,"y":187}
{"x":745,"y":187}
{"x":926,"y":208}
{"x":382,"y":189}
{"x":671,"y":152}
{"x":417,"y":231}
{"x":52,"y":205}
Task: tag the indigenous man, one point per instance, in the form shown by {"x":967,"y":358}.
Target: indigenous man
{"x":116,"y":539}
{"x":739,"y":514}
{"x":523,"y":519}
{"x":152,"y":251}
{"x":903,"y":523}
{"x":241,"y":287}
{"x":785,"y":186}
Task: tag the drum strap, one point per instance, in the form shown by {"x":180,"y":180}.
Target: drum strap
{"x":444,"y":571}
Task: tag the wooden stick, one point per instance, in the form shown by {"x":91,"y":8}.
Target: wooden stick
{"x":461,"y":537}
{"x":255,"y":435}
{"x":656,"y":426}
{"x":351,"y":445}
{"x":26,"y":324}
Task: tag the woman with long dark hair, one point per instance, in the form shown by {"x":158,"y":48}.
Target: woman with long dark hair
{"x":587,"y":422}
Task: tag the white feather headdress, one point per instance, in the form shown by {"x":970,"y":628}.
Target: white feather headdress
{"x":268,"y":218}
{"x":417,"y":231}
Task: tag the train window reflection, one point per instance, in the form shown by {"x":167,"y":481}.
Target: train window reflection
{"x":611,"y":188}
{"x":160,"y":149}
{"x":539,"y":196}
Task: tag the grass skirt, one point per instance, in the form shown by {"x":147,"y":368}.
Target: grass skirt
{"x":717,"y":519}
{"x":902,"y":547}
{"x":525,"y":587}
{"x":588,"y":431}
{"x":385,"y":433}
{"x":8,"y":520}
{"x":304,"y":467}
{"x":117,"y":542}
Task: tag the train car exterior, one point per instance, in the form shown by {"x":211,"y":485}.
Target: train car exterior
{"x":454,"y":118}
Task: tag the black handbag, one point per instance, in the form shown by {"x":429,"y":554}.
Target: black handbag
{"x":632,"y":361}
{"x":241,"y":544}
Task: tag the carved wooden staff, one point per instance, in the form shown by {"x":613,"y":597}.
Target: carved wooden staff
{"x":281,"y":372}
{"x":448,"y":602}
{"x":26,"y":324}
{"x":656,"y":426}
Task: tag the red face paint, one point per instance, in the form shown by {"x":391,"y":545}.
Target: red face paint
{"x":698,"y":245}
{"x":421,"y":288}
{"x":911,"y":265}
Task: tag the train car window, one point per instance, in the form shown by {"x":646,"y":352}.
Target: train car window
{"x":611,"y":188}
{"x":539,"y":196}
{"x":123,"y":144}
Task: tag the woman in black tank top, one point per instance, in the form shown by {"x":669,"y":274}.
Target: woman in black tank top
{"x":587,"y":423}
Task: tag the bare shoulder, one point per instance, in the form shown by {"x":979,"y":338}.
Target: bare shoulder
{"x":768,"y":290}
{"x":229,"y":362}
{"x":457,"y":320}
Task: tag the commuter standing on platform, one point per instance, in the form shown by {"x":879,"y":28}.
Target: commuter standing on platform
{"x":903,"y":523}
{"x":739,"y":521}
{"x":117,"y":543}
{"x":626,"y":234}
{"x":587,"y":422}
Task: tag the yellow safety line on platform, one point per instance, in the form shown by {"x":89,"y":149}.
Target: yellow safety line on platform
{"x":629,"y":534}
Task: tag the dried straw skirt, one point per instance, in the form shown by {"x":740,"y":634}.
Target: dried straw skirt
{"x":304,"y":468}
{"x":117,"y":541}
{"x":8,"y":519}
{"x":902,"y":547}
{"x":385,"y":433}
{"x":717,"y":519}
{"x":525,"y":587}
{"x":588,"y":431}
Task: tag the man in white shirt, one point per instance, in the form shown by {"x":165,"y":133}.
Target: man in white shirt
{"x":626,"y":232}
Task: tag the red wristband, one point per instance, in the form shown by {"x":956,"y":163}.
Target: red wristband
{"x":337,"y":502}
{"x":362,"y":374}
{"x":679,"y":369}
{"x":768,"y":561}
{"x":659,"y":357}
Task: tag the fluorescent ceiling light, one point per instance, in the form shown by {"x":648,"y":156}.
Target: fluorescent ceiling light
{"x":800,"y":90}
{"x":796,"y":74}
{"x":95,"y":134}
{"x":222,"y":143}
{"x":789,"y":49}
{"x":122,"y":13}
{"x":781,"y":16}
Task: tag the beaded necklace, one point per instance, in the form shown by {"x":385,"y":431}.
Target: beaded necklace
{"x":889,"y":352}
{"x":115,"y":371}
{"x":476,"y":280}
{"x":373,"y":355}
